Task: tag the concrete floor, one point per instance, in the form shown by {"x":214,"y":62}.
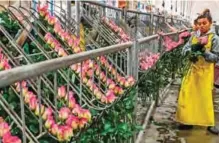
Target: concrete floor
{"x":200,"y":135}
{"x":163,"y":128}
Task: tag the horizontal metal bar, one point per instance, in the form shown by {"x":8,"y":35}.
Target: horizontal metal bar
{"x":147,"y":39}
{"x":173,"y":33}
{"x":28,"y":71}
{"x":158,"y":15}
{"x":115,"y":8}
{"x":145,"y":13}
{"x":138,"y":12}
{"x":103,"y":5}
{"x":20,"y":73}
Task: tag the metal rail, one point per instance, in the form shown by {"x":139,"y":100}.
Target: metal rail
{"x":129,"y":51}
{"x":29,"y":71}
{"x":20,"y":73}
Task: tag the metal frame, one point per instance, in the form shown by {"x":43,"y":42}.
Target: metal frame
{"x":35,"y":73}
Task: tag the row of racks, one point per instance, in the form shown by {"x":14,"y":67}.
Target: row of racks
{"x":57,"y":99}
{"x":147,"y":23}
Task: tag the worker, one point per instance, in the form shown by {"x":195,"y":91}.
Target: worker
{"x":195,"y":102}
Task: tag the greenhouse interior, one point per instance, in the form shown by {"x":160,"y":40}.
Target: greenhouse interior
{"x":109,"y":71}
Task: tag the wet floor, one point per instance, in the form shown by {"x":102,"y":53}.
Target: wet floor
{"x":163,"y":127}
{"x":199,"y":135}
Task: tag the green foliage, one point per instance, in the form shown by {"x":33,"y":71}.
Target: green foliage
{"x":10,"y":25}
{"x":170,"y":66}
{"x":115,"y":125}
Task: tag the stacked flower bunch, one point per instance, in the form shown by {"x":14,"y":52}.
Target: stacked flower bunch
{"x":71,"y":118}
{"x":86,"y":76}
{"x":4,"y":64}
{"x":192,"y":55}
{"x":197,"y":50}
{"x":124,"y":37}
{"x":92,"y":68}
{"x":72,"y":41}
{"x":124,"y":82}
{"x":5,"y":133}
{"x":4,"y":127}
{"x":87,"y":65}
{"x":148,"y":59}
{"x":55,"y":44}
{"x":85,"y":71}
{"x":65,"y":37}
{"x":170,"y":44}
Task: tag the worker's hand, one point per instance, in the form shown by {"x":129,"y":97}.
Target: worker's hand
{"x":198,"y":47}
{"x":203,"y":40}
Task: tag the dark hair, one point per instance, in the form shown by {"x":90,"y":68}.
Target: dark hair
{"x":206,"y":14}
{"x":206,"y":10}
{"x":196,"y":21}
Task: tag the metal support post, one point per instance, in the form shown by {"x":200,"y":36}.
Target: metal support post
{"x":68,"y":14}
{"x":100,"y":12}
{"x":125,"y":14}
{"x":135,"y":60}
{"x":129,"y":61}
{"x":135,"y":51}
{"x":34,"y":4}
{"x":135,"y":67}
{"x":104,"y":11}
{"x":68,"y":9}
{"x":165,"y":17}
{"x":78,"y":17}
{"x":51,"y":6}
{"x":151,"y":25}
{"x":160,"y":44}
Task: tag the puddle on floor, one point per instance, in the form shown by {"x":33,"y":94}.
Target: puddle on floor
{"x":199,"y":134}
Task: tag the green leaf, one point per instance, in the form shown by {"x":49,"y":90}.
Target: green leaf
{"x":47,"y":47}
{"x":107,"y":128}
{"x":15,"y":131}
{"x":5,"y":96}
{"x":34,"y":129}
{"x":93,"y":112}
{"x":123,"y":127}
{"x":73,"y":78}
{"x":44,"y":141}
{"x":13,"y":105}
{"x":107,"y":125}
{"x":110,"y":130}
{"x":26,"y":48}
{"x":50,"y":29}
{"x":59,"y":105}
{"x":129,"y":105}
{"x":138,"y":128}
{"x":130,"y":117}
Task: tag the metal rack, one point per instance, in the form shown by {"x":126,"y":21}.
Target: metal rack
{"x":45,"y":75}
{"x":85,"y":100}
